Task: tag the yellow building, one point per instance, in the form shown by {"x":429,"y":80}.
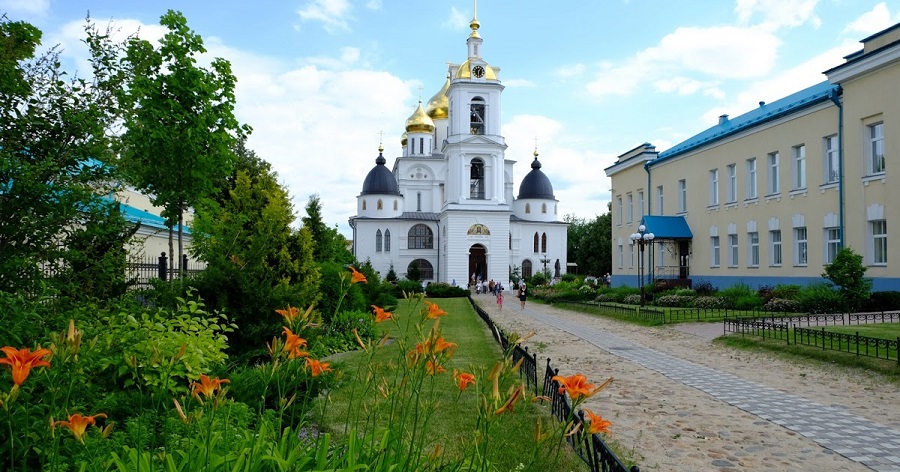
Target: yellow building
{"x":770,"y":196}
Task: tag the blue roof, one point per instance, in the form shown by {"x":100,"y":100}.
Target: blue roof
{"x":143,"y":217}
{"x":668,"y":227}
{"x":766,"y":112}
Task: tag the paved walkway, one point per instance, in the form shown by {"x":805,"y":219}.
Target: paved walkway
{"x":858,"y":439}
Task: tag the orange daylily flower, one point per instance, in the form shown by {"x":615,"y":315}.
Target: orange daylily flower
{"x":381,"y":315}
{"x":511,"y":402}
{"x":578,"y":386}
{"x":598,"y":424}
{"x":207,"y":386}
{"x":77,"y":424}
{"x":463,"y":379}
{"x":290,"y":314}
{"x":317,"y":367}
{"x":434,"y":311}
{"x":432,"y":367}
{"x":292,"y":342}
{"x":357,"y":276}
{"x":22,"y":361}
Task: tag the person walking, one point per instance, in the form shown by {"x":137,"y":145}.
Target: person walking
{"x":523,"y":294}
{"x":499,"y":290}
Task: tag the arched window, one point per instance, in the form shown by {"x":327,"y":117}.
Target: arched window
{"x":420,"y":237}
{"x":378,"y":241}
{"x":380,"y":205}
{"x":476,"y":179}
{"x":364,"y":204}
{"x":544,"y":243}
{"x":535,"y":242}
{"x":387,"y":240}
{"x":426,"y":270}
{"x":476,"y":112}
{"x":527,"y":208}
{"x":543,"y":208}
{"x":526,"y":269}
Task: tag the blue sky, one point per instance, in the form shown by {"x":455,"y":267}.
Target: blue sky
{"x":319,"y":80}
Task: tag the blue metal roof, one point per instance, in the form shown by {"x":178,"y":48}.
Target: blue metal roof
{"x":668,"y":227}
{"x":143,"y":217}
{"x":766,"y":112}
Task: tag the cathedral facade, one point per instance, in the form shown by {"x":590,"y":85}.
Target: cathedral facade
{"x":447,"y":205}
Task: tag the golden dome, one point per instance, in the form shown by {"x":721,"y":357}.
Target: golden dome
{"x":439,"y":106}
{"x":465,"y":72}
{"x":419,"y":122}
{"x":404,"y":139}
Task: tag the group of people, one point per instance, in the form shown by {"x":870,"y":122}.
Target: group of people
{"x":496,"y":289}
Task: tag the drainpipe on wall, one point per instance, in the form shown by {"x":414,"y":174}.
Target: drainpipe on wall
{"x":649,"y":199}
{"x":438,"y":276}
{"x":835,"y":97}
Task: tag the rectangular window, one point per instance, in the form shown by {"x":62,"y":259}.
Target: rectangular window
{"x":800,"y":246}
{"x":621,"y":210}
{"x":830,"y":159}
{"x":682,"y":196}
{"x":753,"y":249}
{"x":629,"y":203}
{"x":714,"y":258}
{"x":875,"y":149}
{"x":832,"y":244}
{"x":659,"y":200}
{"x":751,"y":178}
{"x":714,"y":187}
{"x":879,"y":241}
{"x":732,"y":250}
{"x":631,"y":256}
{"x":799,"y":167}
{"x":775,"y":248}
{"x":732,"y":184}
{"x":773,"y":174}
{"x":640,"y":202}
{"x":621,"y":256}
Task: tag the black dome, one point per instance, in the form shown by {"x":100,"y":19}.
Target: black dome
{"x":536,"y":184}
{"x":380,"y":180}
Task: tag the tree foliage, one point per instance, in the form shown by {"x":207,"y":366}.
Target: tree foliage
{"x":847,"y":272}
{"x":590,"y":244}
{"x":55,"y":150}
{"x":330,"y":245}
{"x":180,"y":120}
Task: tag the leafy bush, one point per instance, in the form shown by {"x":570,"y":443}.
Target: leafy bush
{"x":766,"y":293}
{"x":567,"y":277}
{"x":407,"y":286}
{"x":538,"y":279}
{"x":786,"y":291}
{"x":587,"y":290}
{"x":883,"y":301}
{"x":747,"y":302}
{"x":445,"y":290}
{"x":633,"y":299}
{"x":820,"y":298}
{"x":783,"y":305}
{"x":703,"y":288}
{"x":334,"y":283}
{"x":711,"y":302}
{"x":337,"y":334}
{"x":674,"y":301}
{"x":606,"y":297}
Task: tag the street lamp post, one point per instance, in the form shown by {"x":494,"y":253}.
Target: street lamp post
{"x":545,"y":260}
{"x":641,"y":238}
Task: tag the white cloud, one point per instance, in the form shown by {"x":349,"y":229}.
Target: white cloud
{"x":25,"y":7}
{"x":775,"y":14}
{"x":519,"y":83}
{"x":571,"y":71}
{"x":333,"y":14}
{"x":682,"y":85}
{"x":873,"y":21}
{"x":457,"y":20}
{"x":374,"y":4}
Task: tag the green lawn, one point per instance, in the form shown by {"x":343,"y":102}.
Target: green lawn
{"x":378,"y":391}
{"x":877,"y":330}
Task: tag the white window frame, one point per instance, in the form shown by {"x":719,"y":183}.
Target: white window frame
{"x":713,"y":187}
{"x":799,"y":166}
{"x":640,"y":200}
{"x":621,"y":256}
{"x":631,"y":256}
{"x":879,"y":235}
{"x":715,"y":258}
{"x":875,"y":164}
{"x":772,"y":175}
{"x":832,"y":237}
{"x":733,"y":250}
{"x":629,"y":203}
{"x":801,"y":246}
{"x":731,"y":190}
{"x":621,"y":209}
{"x":682,"y":196}
{"x":775,"y":254}
{"x":753,"y":249}
{"x":659,"y":200}
{"x":751,"y":179}
{"x":830,"y":156}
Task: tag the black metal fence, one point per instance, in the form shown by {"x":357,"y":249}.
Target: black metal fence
{"x":139,"y":271}
{"x":792,"y":330}
{"x":590,"y":447}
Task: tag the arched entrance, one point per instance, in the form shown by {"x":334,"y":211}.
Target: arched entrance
{"x":478,"y":262}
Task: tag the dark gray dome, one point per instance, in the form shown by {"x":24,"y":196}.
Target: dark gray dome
{"x":536,"y":184}
{"x":380,"y":180}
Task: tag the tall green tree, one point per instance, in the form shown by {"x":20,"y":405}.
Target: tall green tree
{"x":330,"y":245}
{"x":180,"y":121}
{"x":590,"y":244}
{"x":256,"y":262}
{"x":847,"y":272}
{"x":55,"y":150}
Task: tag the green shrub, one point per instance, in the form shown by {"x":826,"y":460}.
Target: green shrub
{"x":883,"y":301}
{"x":674,"y":301}
{"x":786,"y":291}
{"x":703,"y":288}
{"x":766,"y":293}
{"x":567,"y":277}
{"x":747,"y":302}
{"x":711,"y":302}
{"x":407,"y":286}
{"x":444,"y":290}
{"x":633,"y":299}
{"x":820,"y":298}
{"x":783,"y":305}
{"x":335,"y":280}
{"x":538,"y":279}
{"x":606,"y":297}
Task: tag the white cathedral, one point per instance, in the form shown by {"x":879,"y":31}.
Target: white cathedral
{"x":447,"y":205}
